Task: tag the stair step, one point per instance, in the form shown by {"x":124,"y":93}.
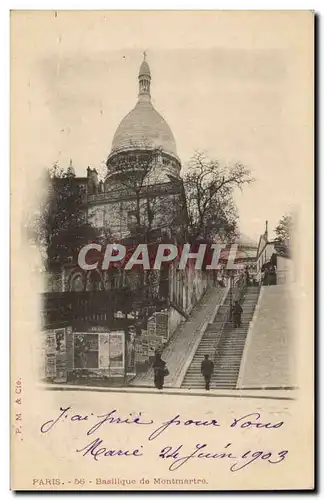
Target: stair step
{"x":230,"y":346}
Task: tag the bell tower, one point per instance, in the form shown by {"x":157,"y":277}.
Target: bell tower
{"x":144,"y":79}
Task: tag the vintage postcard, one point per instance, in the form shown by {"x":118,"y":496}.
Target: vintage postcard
{"x":162,"y":168}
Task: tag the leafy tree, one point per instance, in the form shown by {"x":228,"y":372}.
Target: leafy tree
{"x":61,"y":227}
{"x":283,"y":233}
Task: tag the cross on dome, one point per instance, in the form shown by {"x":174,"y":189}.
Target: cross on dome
{"x":143,"y":125}
{"x":144,"y":68}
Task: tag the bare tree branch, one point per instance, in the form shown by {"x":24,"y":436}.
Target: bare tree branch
{"x":209,"y":191}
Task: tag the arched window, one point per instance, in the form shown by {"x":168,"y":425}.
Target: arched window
{"x":164,"y":282}
{"x":115,"y":278}
{"x":94,"y":282}
{"x":77,"y":283}
{"x":132,"y":279}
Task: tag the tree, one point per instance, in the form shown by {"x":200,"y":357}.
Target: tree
{"x":283,"y":233}
{"x":153,"y":202}
{"x":60,"y":227}
{"x":209,"y":188}
{"x":155,"y":206}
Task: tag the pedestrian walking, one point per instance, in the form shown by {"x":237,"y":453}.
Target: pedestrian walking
{"x":247,"y":276}
{"x":160,"y":371}
{"x":207,"y":369}
{"x":237,"y":313}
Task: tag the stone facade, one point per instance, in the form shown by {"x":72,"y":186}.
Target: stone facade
{"x":141,"y":199}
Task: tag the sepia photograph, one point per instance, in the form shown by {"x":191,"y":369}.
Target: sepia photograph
{"x":160,"y":325}
{"x":161,"y":193}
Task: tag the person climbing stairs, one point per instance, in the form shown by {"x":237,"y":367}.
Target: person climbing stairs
{"x":228,"y":341}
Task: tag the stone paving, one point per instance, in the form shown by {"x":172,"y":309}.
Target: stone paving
{"x":279,"y":394}
{"x":268,"y":359}
{"x":183,"y":341}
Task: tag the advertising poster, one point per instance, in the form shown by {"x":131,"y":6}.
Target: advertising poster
{"x":86,"y":350}
{"x":50,"y":341}
{"x":151,"y":325}
{"x":48,"y":362}
{"x":130,"y":351}
{"x":104,"y":350}
{"x":61,"y":355}
{"x":50,"y":365}
{"x":116,"y":355}
{"x":161,"y":328}
{"x":60,"y":341}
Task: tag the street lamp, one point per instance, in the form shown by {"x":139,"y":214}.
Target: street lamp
{"x":231,"y":278}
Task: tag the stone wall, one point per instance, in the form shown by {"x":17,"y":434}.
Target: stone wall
{"x":285,"y":270}
{"x":175,"y":318}
{"x":121,"y":215}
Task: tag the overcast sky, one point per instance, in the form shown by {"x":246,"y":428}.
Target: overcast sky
{"x":238,"y":95}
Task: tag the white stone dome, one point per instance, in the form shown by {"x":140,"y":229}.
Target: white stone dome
{"x":142,"y":128}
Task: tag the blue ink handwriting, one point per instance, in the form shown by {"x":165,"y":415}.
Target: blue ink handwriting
{"x":244,"y":422}
{"x":176,"y":421}
{"x":110,"y":418}
{"x":172,"y":452}
{"x":94,"y":450}
{"x":176,"y":454}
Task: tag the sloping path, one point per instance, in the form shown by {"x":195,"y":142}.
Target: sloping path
{"x":269,"y":357}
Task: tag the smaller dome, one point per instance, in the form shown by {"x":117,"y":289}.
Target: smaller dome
{"x":144,"y":69}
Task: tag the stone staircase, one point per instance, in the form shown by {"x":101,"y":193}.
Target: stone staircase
{"x":230,"y":344}
{"x":182,"y":343}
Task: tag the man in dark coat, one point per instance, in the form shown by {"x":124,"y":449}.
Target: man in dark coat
{"x":207,"y":369}
{"x":159,"y":371}
{"x":237,"y":313}
{"x":247,"y":276}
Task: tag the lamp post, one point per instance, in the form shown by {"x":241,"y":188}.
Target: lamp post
{"x":125,"y":349}
{"x":231,"y":278}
